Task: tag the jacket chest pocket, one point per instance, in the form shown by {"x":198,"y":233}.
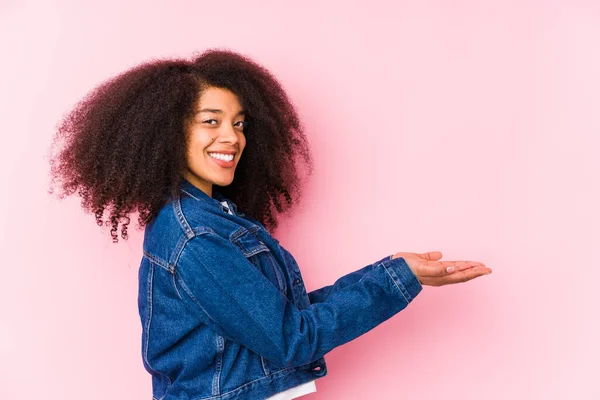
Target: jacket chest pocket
{"x":260,"y":255}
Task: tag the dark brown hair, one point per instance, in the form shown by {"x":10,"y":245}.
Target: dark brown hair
{"x":123,"y":147}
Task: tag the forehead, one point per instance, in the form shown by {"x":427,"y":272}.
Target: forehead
{"x":219,"y":98}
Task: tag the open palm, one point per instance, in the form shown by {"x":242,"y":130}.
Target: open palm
{"x":431,"y":271}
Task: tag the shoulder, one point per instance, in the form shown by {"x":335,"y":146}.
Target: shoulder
{"x":185,"y":216}
{"x":179,"y":219}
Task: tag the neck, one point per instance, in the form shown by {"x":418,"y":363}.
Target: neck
{"x":200,"y":184}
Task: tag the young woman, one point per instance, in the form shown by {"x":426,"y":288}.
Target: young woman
{"x":208,"y":152}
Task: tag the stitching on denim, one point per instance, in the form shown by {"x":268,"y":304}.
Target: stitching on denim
{"x":177,"y":252}
{"x":395,"y":283}
{"x":149,"y":282}
{"x":189,"y":194}
{"x":277,"y":271}
{"x":148,"y":323}
{"x":237,"y":233}
{"x":214,"y":389}
{"x":175,"y":286}
{"x":263,"y":362}
{"x":217,"y":375}
{"x":189,"y":293}
{"x":405,"y":290}
{"x":203,"y":230}
{"x":156,"y":260}
{"x":242,"y":231}
{"x":254,"y":251}
{"x":257,"y":248}
{"x":183,"y":222}
{"x":183,"y":242}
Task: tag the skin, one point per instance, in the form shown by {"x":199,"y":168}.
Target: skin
{"x":218,"y":125}
{"x":430,"y":271}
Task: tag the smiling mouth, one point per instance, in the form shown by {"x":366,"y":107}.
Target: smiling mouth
{"x":222,"y":156}
{"x":222,"y":160}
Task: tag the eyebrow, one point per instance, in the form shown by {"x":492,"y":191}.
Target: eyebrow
{"x":217,"y":111}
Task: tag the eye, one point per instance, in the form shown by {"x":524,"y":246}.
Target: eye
{"x":209,"y":121}
{"x":241,"y":124}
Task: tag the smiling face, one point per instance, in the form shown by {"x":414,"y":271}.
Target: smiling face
{"x":215,"y":139}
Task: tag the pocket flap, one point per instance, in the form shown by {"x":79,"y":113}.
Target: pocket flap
{"x":250,"y":244}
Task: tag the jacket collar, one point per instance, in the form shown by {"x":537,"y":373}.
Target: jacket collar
{"x":198,"y":194}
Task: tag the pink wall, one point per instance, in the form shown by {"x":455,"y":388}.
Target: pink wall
{"x":467,"y":127}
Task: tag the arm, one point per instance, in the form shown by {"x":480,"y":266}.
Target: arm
{"x":242,"y":305}
{"x":320,"y":295}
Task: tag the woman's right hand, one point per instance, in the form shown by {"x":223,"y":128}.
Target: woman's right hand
{"x":430,"y":271}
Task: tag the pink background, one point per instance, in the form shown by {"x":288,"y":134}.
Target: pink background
{"x":469,"y":127}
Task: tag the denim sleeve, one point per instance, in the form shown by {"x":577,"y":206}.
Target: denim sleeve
{"x":319,"y":295}
{"x":241,"y":304}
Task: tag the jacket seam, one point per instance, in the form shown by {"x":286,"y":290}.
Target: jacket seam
{"x":183,"y":241}
{"x":175,"y":286}
{"x":148,"y":323}
{"x":264,"y":364}
{"x":242,"y":231}
{"x":235,"y":238}
{"x":189,"y":194}
{"x":191,"y":296}
{"x":277,"y":272}
{"x":216,"y":389}
{"x":156,"y":260}
{"x":177,"y":252}
{"x":183,"y":222}
{"x":395,"y":283}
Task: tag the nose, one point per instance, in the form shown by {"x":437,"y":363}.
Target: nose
{"x":228,"y":134}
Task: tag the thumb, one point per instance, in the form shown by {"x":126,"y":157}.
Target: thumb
{"x":432,"y":255}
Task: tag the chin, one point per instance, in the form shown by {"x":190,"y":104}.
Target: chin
{"x":224,"y":182}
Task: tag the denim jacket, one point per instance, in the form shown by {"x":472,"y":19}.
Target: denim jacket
{"x":224,"y":310}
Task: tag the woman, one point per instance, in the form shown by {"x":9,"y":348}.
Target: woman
{"x":208,"y":152}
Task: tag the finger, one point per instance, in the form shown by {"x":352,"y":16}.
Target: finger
{"x":448,"y":266}
{"x":452,"y":266}
{"x":432,"y":255}
{"x":435,"y":268}
{"x":462,"y":265}
{"x":466,"y":275}
{"x":473,"y":263}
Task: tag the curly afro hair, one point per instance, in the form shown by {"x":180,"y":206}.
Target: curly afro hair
{"x":123,"y":147}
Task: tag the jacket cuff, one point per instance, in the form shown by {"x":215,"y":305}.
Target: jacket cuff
{"x":404,"y":278}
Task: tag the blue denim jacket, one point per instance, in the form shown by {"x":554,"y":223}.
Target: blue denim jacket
{"x":224,"y":310}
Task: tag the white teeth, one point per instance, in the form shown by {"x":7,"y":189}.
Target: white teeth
{"x":224,"y":157}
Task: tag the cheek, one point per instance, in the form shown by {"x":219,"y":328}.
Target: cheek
{"x":196,"y":150}
{"x":198,"y":141}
